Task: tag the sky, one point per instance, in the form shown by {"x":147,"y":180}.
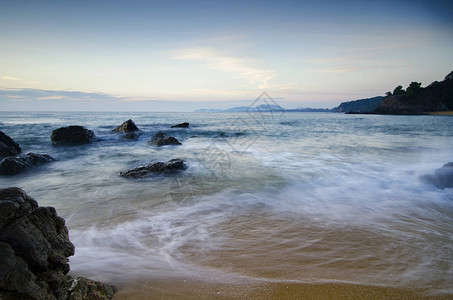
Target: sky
{"x":141,"y":55}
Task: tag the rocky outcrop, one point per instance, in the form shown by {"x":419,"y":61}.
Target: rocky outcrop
{"x":171,"y":166}
{"x":36,"y":243}
{"x":13,"y":165}
{"x":182,"y":125}
{"x":34,"y":250}
{"x":8,"y":147}
{"x":162,"y":139}
{"x":128,"y":126}
{"x":71,"y":135}
{"x":442,"y":178}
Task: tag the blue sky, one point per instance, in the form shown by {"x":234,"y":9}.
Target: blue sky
{"x":186,"y":55}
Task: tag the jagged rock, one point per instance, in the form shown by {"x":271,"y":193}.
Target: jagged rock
{"x":82,"y":288}
{"x":130,"y":136}
{"x":71,"y":135}
{"x":8,"y":147}
{"x":442,"y":178}
{"x":171,"y":166}
{"x":182,"y":125}
{"x":40,"y":243}
{"x":162,"y":139}
{"x":13,"y":165}
{"x":128,"y":126}
{"x":34,"y":250}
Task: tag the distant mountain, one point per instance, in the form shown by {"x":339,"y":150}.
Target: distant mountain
{"x":359,"y":106}
{"x":259,"y":108}
{"x":415,"y":100}
{"x":265,"y":108}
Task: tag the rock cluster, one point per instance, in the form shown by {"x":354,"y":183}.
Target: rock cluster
{"x":171,"y":166}
{"x":71,"y":135}
{"x":442,"y":178}
{"x":13,"y":165}
{"x":34,"y":251}
{"x":8,"y":147}
{"x":162,"y":139}
{"x":128,"y":126}
{"x":182,"y":125}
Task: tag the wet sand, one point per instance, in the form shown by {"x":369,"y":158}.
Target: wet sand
{"x":188,"y":289}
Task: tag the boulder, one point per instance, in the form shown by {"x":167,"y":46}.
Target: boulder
{"x":171,"y":166}
{"x":82,"y":288}
{"x":34,"y":249}
{"x":128,"y":126}
{"x":442,"y":178}
{"x":8,"y":147}
{"x":71,"y":135}
{"x":13,"y":165}
{"x":182,"y":125}
{"x":36,"y":243}
{"x":162,"y":139}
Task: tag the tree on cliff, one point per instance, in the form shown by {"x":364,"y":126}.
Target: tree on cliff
{"x":413,"y":89}
{"x":398,"y":91}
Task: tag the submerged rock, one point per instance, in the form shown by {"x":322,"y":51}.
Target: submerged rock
{"x":171,"y":166}
{"x":8,"y":147}
{"x":182,"y":125}
{"x":162,"y":139}
{"x":442,"y":178}
{"x":13,"y":165}
{"x":128,"y":126}
{"x":130,"y":136}
{"x":71,"y":135}
{"x":34,"y":251}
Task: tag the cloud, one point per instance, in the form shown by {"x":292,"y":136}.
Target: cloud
{"x":10,"y":94}
{"x":13,"y":96}
{"x":215,"y":60}
{"x":51,"y":98}
{"x":6,"y":77}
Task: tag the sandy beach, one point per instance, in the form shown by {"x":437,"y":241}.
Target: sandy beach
{"x":188,"y":289}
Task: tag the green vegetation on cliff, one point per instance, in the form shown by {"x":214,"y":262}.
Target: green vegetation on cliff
{"x":359,"y":106}
{"x":438,"y":96}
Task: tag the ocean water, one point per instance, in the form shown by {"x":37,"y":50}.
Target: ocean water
{"x":269,"y":197}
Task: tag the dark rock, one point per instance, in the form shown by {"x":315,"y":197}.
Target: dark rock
{"x":34,"y":249}
{"x":162,"y":139}
{"x":128,"y":126}
{"x":130,"y":136}
{"x":82,"y":288}
{"x":71,"y":135}
{"x":182,"y":125}
{"x":8,"y":147}
{"x":13,"y":165}
{"x":442,"y":178}
{"x":39,"y":240}
{"x":171,"y":166}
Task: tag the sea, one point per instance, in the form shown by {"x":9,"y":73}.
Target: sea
{"x":267,"y":197}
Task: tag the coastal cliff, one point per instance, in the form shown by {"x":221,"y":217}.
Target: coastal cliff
{"x":415,"y":100}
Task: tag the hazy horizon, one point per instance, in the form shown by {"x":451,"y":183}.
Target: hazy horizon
{"x":184,"y":56}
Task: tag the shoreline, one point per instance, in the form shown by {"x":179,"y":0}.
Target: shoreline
{"x":441,"y":113}
{"x":193,"y":289}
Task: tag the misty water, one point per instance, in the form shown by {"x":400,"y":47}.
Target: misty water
{"x":296,"y":197}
